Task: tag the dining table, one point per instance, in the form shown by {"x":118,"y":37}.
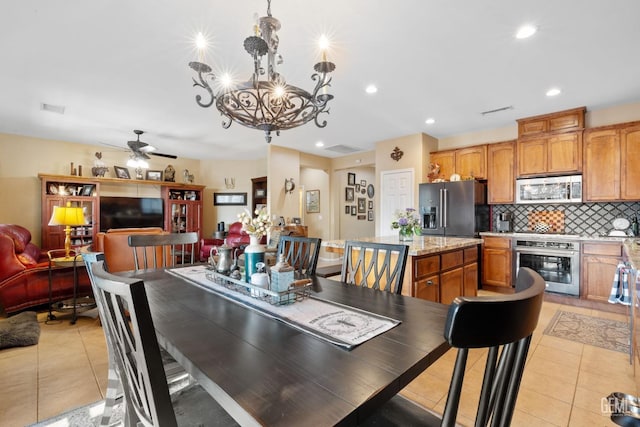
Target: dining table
{"x":265,"y":372}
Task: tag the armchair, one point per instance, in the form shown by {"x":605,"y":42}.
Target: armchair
{"x":236,"y":238}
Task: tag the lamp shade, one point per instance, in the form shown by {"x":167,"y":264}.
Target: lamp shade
{"x":67,"y":215}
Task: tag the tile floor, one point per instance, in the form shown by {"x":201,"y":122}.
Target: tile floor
{"x":562,"y":386}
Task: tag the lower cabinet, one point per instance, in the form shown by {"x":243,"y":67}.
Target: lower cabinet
{"x":497,"y":262}
{"x":599,"y":263}
{"x":444,"y":276}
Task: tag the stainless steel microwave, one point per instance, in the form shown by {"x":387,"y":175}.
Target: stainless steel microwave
{"x":557,"y":189}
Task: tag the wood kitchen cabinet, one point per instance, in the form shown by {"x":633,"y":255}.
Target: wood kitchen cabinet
{"x":561,"y":121}
{"x":497,"y":262}
{"x":442,"y":277}
{"x":550,"y":155}
{"x":611,"y":156}
{"x":599,"y":263}
{"x":466,"y":162}
{"x":501,"y":172}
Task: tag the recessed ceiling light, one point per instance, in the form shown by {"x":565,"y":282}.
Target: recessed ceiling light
{"x":553,"y":92}
{"x":430,"y":121}
{"x":526,"y":31}
{"x":51,"y":108}
{"x":319,"y":144}
{"x":371,"y":89}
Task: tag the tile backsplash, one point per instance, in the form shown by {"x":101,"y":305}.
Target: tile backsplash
{"x":589,"y":219}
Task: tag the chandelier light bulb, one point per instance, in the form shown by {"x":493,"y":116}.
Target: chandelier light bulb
{"x":201,"y":42}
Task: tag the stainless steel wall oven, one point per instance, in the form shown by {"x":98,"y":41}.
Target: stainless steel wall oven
{"x":557,"y":261}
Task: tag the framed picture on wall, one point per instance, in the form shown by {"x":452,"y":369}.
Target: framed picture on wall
{"x":363,"y":183}
{"x":357,"y":188}
{"x":370,"y":204}
{"x":362,"y":205}
{"x":353,"y":211}
{"x":122,"y":173}
{"x":347,"y":209}
{"x":351,"y":178}
{"x":370,"y":215}
{"x":313,"y":201}
{"x":231,"y":199}
{"x":348,"y":194}
{"x":361,"y":217}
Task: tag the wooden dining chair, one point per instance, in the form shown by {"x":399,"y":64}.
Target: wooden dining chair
{"x":376,"y":265}
{"x":301,"y":253}
{"x":125,"y":314}
{"x":503,"y":325}
{"x":163,"y":250}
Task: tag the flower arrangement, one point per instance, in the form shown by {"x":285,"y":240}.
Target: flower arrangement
{"x":257,"y":226}
{"x":407,"y":221}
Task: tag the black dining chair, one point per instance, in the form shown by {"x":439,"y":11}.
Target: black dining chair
{"x":301,"y":253}
{"x":125,"y":314}
{"x":503,"y":325}
{"x":376,"y":265}
{"x":163,"y":250}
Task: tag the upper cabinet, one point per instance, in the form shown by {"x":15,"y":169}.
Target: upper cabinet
{"x":501,"y":172}
{"x":551,"y":144}
{"x":611,"y":156}
{"x":466,"y":162}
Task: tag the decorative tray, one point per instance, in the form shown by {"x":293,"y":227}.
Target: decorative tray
{"x":298,"y":290}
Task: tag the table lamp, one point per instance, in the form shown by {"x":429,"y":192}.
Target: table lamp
{"x":67,"y":216}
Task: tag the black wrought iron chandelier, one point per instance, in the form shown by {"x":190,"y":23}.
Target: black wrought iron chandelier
{"x":266,"y":102}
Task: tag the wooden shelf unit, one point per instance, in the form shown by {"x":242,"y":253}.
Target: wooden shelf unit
{"x":258,"y":192}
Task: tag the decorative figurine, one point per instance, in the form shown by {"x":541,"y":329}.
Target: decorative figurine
{"x":170,"y":174}
{"x":99,"y":168}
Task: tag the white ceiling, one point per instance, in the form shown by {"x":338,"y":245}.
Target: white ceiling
{"x":119,"y":65}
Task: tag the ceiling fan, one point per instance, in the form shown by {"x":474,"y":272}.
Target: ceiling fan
{"x":141,"y":149}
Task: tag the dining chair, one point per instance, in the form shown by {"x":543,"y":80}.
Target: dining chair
{"x":177,"y":377}
{"x":165,"y":250}
{"x":376,"y":265}
{"x":301,"y":253}
{"x":126,"y":315}
{"x":501,"y":324}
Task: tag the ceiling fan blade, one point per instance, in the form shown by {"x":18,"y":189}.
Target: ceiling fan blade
{"x":169,"y":156}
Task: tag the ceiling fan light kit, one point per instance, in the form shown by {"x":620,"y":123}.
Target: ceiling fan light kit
{"x":266,"y":102}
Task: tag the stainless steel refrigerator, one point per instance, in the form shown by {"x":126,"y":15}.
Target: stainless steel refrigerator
{"x":454,"y":208}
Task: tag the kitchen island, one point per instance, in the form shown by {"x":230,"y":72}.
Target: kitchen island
{"x":438,"y":269}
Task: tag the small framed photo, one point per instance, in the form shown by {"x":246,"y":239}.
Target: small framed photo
{"x":362,"y":217}
{"x":370,"y":204}
{"x":370,"y":215}
{"x":296,"y":220}
{"x":362,"y":205}
{"x":154,"y":175}
{"x":313,"y":201}
{"x":230,"y":199}
{"x":357,"y":188}
{"x":363,"y":183}
{"x":349,"y":194}
{"x":87,"y":190}
{"x":347,"y":209}
{"x":353,"y":211}
{"x":260,"y":192}
{"x":122,"y":173}
{"x":351,"y":178}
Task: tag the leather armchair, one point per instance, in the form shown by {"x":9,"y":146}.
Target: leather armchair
{"x":24,"y":273}
{"x":114,"y":243}
{"x":236,"y":237}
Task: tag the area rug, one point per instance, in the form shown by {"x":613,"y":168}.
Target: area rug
{"x":84,"y":416}
{"x":20,"y":330}
{"x":595,"y":331}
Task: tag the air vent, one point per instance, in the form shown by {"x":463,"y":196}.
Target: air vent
{"x":343,"y":149}
{"x":58,"y":109}
{"x":497,"y":110}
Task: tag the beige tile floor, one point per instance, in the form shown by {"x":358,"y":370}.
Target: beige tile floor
{"x":563,"y":383}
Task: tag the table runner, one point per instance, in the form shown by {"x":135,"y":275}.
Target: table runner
{"x":336,"y":323}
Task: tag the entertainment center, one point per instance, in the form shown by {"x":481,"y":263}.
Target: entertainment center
{"x":177,"y":208}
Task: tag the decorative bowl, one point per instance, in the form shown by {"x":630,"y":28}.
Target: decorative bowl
{"x":541,"y":227}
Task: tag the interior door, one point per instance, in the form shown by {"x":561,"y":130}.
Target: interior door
{"x":397,"y":188}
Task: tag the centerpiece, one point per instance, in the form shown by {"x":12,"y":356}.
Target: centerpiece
{"x":408,"y":224}
{"x":255,"y":227}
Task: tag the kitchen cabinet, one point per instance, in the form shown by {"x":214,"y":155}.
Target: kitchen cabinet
{"x":561,"y":121}
{"x":599,"y":263}
{"x":611,"y":156}
{"x":497,"y":262}
{"x":445,"y":276}
{"x":466,"y":162}
{"x":501,"y":172}
{"x":551,"y":155}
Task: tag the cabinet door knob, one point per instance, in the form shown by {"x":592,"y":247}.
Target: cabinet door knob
{"x":429,"y":282}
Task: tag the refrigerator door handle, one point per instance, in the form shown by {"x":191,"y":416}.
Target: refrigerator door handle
{"x":445,"y":208}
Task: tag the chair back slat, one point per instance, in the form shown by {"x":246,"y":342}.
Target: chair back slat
{"x":163,"y":250}
{"x":376,"y":265}
{"x":126,"y":315}
{"x":301,"y":253}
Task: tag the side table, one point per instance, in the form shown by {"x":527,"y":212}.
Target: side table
{"x":57,"y":258}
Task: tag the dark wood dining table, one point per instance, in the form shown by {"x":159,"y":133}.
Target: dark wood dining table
{"x":265,"y":372}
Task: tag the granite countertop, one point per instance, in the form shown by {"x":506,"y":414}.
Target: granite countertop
{"x":632,"y":251}
{"x":579,"y":237}
{"x":421,"y":245}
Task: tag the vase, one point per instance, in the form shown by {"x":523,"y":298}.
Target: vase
{"x":405,"y":233}
{"x":253,"y":254}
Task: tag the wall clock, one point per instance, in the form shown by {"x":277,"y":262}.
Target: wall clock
{"x":289,"y":185}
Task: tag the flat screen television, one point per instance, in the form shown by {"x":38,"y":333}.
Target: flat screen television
{"x":125,"y":212}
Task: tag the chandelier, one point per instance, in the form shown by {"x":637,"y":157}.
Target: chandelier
{"x":266,"y":101}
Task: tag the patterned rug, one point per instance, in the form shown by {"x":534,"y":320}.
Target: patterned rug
{"x":85,"y":416}
{"x":595,"y":331}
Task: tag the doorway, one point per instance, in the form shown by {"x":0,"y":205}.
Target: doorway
{"x":397,"y":189}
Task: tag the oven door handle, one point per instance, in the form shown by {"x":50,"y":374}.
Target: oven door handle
{"x":545,"y":252}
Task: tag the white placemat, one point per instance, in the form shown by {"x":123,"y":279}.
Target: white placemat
{"x":339,"y":324}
